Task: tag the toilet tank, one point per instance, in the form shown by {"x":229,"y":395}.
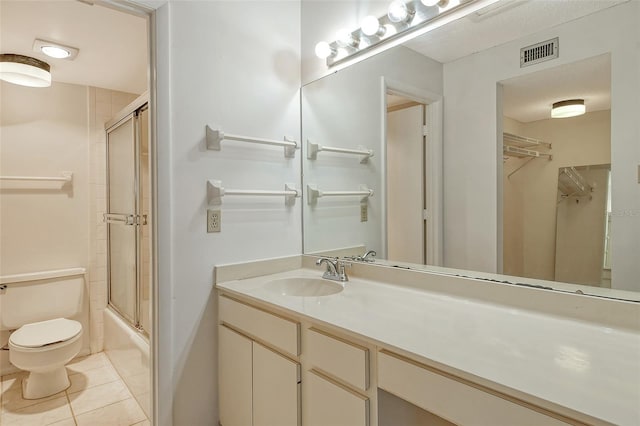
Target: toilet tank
{"x":39,"y":296}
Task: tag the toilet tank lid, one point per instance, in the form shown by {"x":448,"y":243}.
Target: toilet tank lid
{"x":44,"y":333}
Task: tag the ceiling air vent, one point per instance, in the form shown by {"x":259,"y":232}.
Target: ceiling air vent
{"x":539,"y":52}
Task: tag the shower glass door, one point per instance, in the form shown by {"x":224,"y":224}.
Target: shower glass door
{"x":124,"y":218}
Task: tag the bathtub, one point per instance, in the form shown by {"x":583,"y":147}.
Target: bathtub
{"x":128,"y":351}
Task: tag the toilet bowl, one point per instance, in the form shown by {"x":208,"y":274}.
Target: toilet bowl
{"x":43,"y":348}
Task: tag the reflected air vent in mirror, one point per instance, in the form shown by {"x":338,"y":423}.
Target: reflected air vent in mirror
{"x":539,"y":52}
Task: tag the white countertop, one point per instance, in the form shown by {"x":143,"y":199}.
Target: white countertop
{"x":587,"y":368}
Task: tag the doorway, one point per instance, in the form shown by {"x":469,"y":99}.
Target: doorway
{"x":406,"y":198}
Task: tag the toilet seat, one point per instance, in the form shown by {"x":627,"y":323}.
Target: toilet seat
{"x":45,"y":333}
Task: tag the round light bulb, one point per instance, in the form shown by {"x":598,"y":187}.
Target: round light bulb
{"x":430,"y":3}
{"x":370,"y":25}
{"x":323,"y":50}
{"x":398,"y":11}
{"x":55,"y":52}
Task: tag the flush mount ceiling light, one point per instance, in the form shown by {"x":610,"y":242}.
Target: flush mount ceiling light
{"x":405,"y":19}
{"x":24,"y":70}
{"x":55,"y":50}
{"x":566,"y":109}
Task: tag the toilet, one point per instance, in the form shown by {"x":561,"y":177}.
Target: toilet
{"x":38,"y":308}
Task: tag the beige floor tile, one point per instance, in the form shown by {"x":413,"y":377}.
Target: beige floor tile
{"x":9,"y":381}
{"x":143,"y":423}
{"x":12,"y":399}
{"x":138,"y":384}
{"x":91,"y":378}
{"x":44,"y":413}
{"x":98,"y":396}
{"x":81,"y":365}
{"x":145,"y":403}
{"x":123,"y":413}
{"x":66,"y":422}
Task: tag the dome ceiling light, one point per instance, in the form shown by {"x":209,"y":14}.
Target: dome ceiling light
{"x":24,"y":70}
{"x":566,"y":109}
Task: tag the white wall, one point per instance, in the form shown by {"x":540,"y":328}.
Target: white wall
{"x":345,"y":110}
{"x":472,"y":163}
{"x":236,"y":65}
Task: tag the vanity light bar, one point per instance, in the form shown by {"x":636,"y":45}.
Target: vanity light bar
{"x":313,"y":193}
{"x":422,"y":17}
{"x":215,"y":192}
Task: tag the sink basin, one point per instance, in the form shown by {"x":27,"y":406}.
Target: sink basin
{"x":304,"y":287}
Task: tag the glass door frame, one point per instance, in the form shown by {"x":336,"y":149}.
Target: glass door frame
{"x":131,"y":112}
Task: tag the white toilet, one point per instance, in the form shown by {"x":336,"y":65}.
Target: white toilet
{"x":38,"y":307}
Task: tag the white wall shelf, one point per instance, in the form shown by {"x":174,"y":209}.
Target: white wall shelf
{"x":314,"y":148}
{"x":216,"y":136}
{"x":215,"y":192}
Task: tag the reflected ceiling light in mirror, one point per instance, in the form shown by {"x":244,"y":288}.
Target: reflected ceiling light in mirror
{"x":403,"y":22}
{"x":370,"y":27}
{"x":324,"y":50}
{"x":399,"y":12}
{"x":24,"y":71}
{"x":569,"y":108}
{"x":430,"y":3}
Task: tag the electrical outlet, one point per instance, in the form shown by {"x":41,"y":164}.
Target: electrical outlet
{"x":213,"y":220}
{"x":364,"y":214}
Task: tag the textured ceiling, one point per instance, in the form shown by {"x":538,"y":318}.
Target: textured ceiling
{"x":529,"y":98}
{"x":113,"y":45}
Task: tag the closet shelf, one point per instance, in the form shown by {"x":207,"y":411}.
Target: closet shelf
{"x":523,"y":142}
{"x":313,"y":193}
{"x":216,"y":136}
{"x":514,"y":151}
{"x":572,"y":183}
{"x":313,"y":149}
{"x":215,"y":192}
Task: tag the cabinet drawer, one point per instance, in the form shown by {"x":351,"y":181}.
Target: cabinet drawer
{"x":456,"y":401}
{"x":279,"y":332}
{"x":329,"y":403}
{"x":342,"y":359}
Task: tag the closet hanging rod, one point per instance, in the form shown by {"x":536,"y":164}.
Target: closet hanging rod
{"x":64,"y":177}
{"x":314,"y":148}
{"x":215,"y":192}
{"x":216,"y":136}
{"x":313,"y":193}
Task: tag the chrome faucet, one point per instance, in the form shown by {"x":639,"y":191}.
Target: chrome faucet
{"x":368,"y":256}
{"x":335,"y":269}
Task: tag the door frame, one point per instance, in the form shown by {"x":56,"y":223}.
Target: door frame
{"x":433,"y":184}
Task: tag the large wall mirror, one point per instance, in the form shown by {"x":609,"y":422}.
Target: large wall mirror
{"x":441,"y":153}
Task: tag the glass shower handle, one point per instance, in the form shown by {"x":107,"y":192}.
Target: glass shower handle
{"x":124,"y":219}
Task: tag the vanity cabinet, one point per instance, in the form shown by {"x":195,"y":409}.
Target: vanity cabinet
{"x":337,"y":381}
{"x":456,"y":400}
{"x":259,"y":384}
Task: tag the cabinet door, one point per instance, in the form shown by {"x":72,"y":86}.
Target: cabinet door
{"x":329,"y":403}
{"x":234,"y":378}
{"x":276,"y":389}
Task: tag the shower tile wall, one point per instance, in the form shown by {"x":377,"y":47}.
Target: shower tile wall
{"x":103,"y":106}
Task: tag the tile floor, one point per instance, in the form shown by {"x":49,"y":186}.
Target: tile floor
{"x":97,"y":396}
